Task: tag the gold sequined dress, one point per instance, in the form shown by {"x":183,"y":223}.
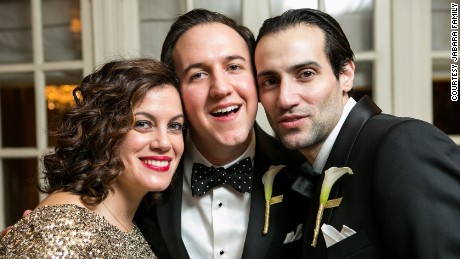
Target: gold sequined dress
{"x":69,"y":231}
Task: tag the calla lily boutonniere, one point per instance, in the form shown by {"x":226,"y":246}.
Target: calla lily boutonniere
{"x":331,"y":175}
{"x":267,"y":180}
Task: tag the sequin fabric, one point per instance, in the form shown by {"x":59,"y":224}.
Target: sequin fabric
{"x":69,"y":231}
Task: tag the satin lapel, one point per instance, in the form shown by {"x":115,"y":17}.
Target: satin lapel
{"x":359,"y":115}
{"x":255,"y":240}
{"x":169,"y":218}
{"x":256,"y":243}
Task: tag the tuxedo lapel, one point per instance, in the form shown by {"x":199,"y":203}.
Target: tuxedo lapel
{"x":169,"y":218}
{"x":255,"y":241}
{"x":340,"y":153}
{"x":359,"y":115}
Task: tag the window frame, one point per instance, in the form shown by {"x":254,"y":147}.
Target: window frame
{"x":39,"y":67}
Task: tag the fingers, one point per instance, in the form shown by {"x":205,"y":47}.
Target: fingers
{"x":8,"y":229}
{"x":26,"y":213}
{"x":5,"y":231}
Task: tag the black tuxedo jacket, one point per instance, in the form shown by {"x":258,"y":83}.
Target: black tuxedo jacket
{"x":161,"y":225}
{"x":403,"y":198}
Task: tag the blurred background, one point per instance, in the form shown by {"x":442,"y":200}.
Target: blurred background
{"x":46,"y":46}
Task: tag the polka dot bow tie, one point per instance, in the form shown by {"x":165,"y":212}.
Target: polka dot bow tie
{"x":239,"y":176}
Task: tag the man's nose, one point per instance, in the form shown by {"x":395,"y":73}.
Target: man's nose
{"x":220,"y":85}
{"x":288,"y":96}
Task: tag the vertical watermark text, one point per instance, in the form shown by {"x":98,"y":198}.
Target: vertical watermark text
{"x":454,"y":52}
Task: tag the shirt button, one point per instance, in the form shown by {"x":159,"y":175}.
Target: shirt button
{"x":221,"y":252}
{"x":220,"y":205}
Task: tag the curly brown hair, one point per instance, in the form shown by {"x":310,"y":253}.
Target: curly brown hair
{"x":85,"y":160}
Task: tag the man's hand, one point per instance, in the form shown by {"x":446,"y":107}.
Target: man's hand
{"x":7,"y":229}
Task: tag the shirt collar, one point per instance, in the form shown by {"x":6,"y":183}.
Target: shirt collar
{"x":326,"y":148}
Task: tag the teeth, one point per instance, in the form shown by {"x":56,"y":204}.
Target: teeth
{"x":157,"y":163}
{"x":228,"y":109}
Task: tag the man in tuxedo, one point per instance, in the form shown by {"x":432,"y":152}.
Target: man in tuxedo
{"x":212,"y":58}
{"x":403,"y":198}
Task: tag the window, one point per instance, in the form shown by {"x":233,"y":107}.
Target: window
{"x":43,"y":54}
{"x":446,"y":113}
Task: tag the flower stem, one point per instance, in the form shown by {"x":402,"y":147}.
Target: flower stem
{"x":319,"y":216}
{"x":267,"y":216}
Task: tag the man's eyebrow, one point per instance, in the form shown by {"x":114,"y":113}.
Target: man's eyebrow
{"x":192,"y":66}
{"x":296,"y":67}
{"x":265,"y":73}
{"x":233,"y":57}
{"x":290,"y":69}
{"x":201,"y":64}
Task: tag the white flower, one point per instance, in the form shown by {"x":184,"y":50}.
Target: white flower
{"x":331,"y":175}
{"x":268,"y":178}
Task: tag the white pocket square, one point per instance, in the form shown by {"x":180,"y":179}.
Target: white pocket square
{"x":291,"y":236}
{"x":332,"y":235}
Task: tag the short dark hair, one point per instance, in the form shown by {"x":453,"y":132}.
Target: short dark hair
{"x":196,"y":17}
{"x":86,"y":159}
{"x":337,"y":47}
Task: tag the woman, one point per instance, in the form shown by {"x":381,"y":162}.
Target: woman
{"x":122,"y":140}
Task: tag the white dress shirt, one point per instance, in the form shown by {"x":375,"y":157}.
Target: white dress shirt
{"x":215,"y":224}
{"x":326,"y":148}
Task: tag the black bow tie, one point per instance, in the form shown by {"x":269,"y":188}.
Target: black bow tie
{"x":239,"y":176}
{"x":307,"y":180}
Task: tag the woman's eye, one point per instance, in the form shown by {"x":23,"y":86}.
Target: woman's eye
{"x":176,"y":127}
{"x":142,"y":125}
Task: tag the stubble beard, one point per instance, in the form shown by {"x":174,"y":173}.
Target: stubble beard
{"x":298,"y":139}
{"x":314,"y":137}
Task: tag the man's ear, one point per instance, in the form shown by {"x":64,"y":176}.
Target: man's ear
{"x":346,"y":77}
